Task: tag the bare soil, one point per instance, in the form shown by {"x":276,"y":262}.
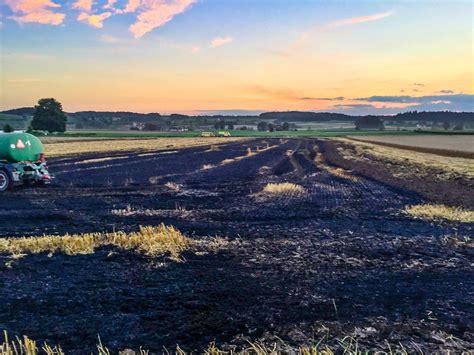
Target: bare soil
{"x":341,"y":260}
{"x":455,"y":143}
{"x":449,"y":146}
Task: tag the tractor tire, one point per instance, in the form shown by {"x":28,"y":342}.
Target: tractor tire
{"x":5,"y":181}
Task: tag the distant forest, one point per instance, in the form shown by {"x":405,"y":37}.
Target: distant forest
{"x":425,"y":116}
{"x":434,"y":116}
{"x":298,"y":116}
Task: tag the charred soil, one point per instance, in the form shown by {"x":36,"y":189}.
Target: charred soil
{"x":339,"y":259}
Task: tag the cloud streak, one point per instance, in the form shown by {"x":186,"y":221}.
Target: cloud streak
{"x":379,"y":104}
{"x":446,"y":91}
{"x":457,"y":98}
{"x":339,"y":98}
{"x":308,"y":33}
{"x":394,"y":104}
{"x":156,"y":13}
{"x":358,"y":20}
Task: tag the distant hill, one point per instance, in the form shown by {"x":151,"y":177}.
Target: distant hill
{"x":132,"y":116}
{"x":435,"y":116}
{"x":299,"y":116}
{"x":124,"y":115}
{"x":7,"y":116}
{"x":425,"y":116}
{"x":16,"y":121}
{"x":22,"y":111}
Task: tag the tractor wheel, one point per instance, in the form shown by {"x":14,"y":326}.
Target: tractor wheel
{"x":5,"y":181}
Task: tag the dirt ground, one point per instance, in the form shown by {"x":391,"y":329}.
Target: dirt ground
{"x":443,"y":143}
{"x":341,"y":260}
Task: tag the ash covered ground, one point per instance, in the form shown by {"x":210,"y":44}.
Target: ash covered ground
{"x":340,"y":260}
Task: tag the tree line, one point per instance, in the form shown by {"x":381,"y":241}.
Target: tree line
{"x":48,"y":115}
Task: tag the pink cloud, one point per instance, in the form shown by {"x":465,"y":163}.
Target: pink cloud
{"x":38,"y":11}
{"x":132,"y":6}
{"x":109,"y":5}
{"x":381,"y":104}
{"x":394,"y":104}
{"x":85,"y":5}
{"x":91,"y":17}
{"x":220,"y":41}
{"x":156,"y":13}
{"x":94,"y":20}
{"x":361,"y":19}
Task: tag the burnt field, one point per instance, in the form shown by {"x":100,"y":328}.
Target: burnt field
{"x":336,"y":258}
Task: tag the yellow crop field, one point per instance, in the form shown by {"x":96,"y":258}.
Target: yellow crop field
{"x":65,"y":148}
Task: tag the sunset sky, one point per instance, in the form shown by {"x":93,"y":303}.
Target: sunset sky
{"x":238,"y":56}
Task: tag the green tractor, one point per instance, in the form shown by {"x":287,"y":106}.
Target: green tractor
{"x":22,"y":161}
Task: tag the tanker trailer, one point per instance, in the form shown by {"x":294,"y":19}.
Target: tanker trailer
{"x":21,"y":161}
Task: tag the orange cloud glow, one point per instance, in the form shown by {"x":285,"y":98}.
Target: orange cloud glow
{"x":94,"y":20}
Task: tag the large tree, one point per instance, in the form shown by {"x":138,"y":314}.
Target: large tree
{"x":8,"y":129}
{"x":369,"y":122}
{"x":262,"y":126}
{"x":49,"y":116}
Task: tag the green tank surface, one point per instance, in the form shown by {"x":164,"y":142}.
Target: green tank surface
{"x":20,"y":147}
